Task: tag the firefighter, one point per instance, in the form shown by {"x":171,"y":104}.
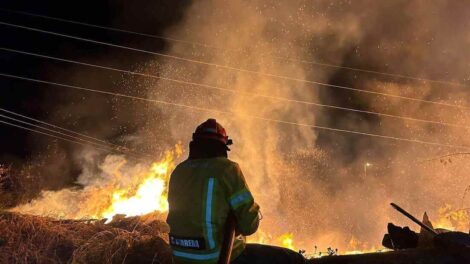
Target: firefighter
{"x":203,"y":191}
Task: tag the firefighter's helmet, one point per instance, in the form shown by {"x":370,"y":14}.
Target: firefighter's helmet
{"x":212,"y":130}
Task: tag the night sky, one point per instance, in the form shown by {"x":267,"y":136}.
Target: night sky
{"x":65,"y":107}
{"x":307,"y":177}
{"x":50,"y":160}
{"x":39,"y":101}
{"x":47,"y":102}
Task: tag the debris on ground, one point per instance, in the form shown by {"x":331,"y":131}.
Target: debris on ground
{"x":35,"y":239}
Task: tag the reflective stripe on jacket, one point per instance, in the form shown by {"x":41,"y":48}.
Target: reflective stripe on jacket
{"x":201,"y":194}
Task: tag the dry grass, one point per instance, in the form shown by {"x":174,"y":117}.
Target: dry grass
{"x":34,"y":239}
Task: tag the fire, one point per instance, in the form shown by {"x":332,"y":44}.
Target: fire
{"x":357,"y":247}
{"x":287,"y":240}
{"x":260,"y":237}
{"x":125,"y":188}
{"x":149,"y":196}
{"x":451,"y":219}
{"x":119,"y":187}
{"x":364,"y":251}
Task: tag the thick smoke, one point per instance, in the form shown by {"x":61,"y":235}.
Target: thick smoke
{"x":310,"y":182}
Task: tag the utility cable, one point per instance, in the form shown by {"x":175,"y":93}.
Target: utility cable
{"x":102,"y":146}
{"x":77,"y":139}
{"x":226,"y":67}
{"x":118,"y":147}
{"x":234,"y":91}
{"x":230,"y":113}
{"x":193,"y":43}
{"x":66,"y":139}
{"x":50,"y":135}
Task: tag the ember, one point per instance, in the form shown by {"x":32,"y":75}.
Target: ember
{"x":335,"y":108}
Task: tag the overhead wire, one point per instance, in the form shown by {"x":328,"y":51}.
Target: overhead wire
{"x":50,"y":135}
{"x":57,"y":132}
{"x":226,"y":67}
{"x":109,"y":28}
{"x":194,"y":43}
{"x":66,"y":130}
{"x":230,"y":113}
{"x":206,"y":86}
{"x":446,"y":156}
{"x":61,"y":135}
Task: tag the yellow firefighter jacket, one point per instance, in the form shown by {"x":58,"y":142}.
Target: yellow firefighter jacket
{"x":201,"y":194}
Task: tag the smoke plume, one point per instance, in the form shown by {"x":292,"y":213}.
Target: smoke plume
{"x":310,"y":182}
{"x":327,"y":188}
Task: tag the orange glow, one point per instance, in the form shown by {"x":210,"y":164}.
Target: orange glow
{"x":357,"y":247}
{"x":454,"y":220}
{"x":149,"y":195}
{"x":261,"y":237}
{"x":287,"y":241}
{"x":132,"y":189}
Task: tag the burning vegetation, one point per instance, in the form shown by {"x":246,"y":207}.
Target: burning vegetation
{"x":119,"y":218}
{"x":323,"y":192}
{"x":119,"y":188}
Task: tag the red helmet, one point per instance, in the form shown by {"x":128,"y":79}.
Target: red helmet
{"x":213,"y":130}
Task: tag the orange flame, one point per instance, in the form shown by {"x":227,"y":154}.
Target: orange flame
{"x":287,"y":240}
{"x":138,"y":189}
{"x":454,"y":220}
{"x":150,"y":195}
{"x":260,"y":237}
{"x":357,"y":247}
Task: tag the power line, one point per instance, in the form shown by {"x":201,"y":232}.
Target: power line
{"x":279,"y":121}
{"x":447,"y":156}
{"x":57,"y":132}
{"x":117,"y":147}
{"x":234,"y":91}
{"x":282,"y":77}
{"x":102,"y":146}
{"x":78,"y":139}
{"x":110,"y":28}
{"x":402,"y":76}
{"x":50,"y":135}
